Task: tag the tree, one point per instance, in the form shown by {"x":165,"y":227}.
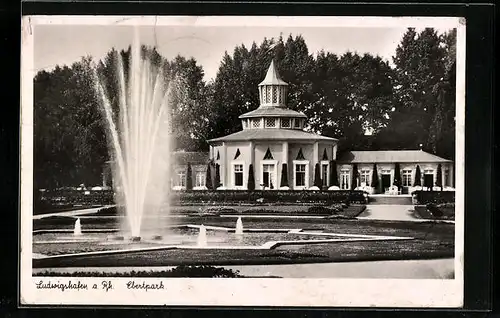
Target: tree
{"x":397,"y":175}
{"x":418,"y":177}
{"x":284,"y":175}
{"x":439,"y":177}
{"x":235,"y":87}
{"x":191,"y":114}
{"x":424,"y":63}
{"x":217,"y":182}
{"x":68,"y":128}
{"x":352,"y":95}
{"x":375,"y":183}
{"x":355,"y":174}
{"x":189,"y":177}
{"x":251,"y":178}
{"x":334,"y":179}
{"x":208,"y":177}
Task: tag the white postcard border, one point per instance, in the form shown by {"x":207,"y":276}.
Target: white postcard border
{"x":241,"y":292}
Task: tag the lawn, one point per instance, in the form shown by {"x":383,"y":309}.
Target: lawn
{"x":431,"y":240}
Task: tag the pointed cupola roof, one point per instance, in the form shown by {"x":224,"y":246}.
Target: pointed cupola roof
{"x":272,"y":77}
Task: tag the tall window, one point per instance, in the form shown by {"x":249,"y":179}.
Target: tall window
{"x":267,"y":176}
{"x":200,"y":179}
{"x":446,"y":177}
{"x":275,"y":94}
{"x":297,"y":123}
{"x":344,"y":179}
{"x":324,"y":174}
{"x":407,"y":178}
{"x":268,"y":95}
{"x":300,"y":175}
{"x":181,"y":178}
{"x":364,"y":177}
{"x":270,"y":122}
{"x":238,"y":175}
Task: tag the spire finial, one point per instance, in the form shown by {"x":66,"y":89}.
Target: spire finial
{"x":272,"y":76}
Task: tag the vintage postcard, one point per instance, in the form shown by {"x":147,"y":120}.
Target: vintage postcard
{"x":242,"y":161}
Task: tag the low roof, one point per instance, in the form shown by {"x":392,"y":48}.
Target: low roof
{"x":390,"y":156}
{"x":272,"y":134}
{"x":270,"y":111}
{"x":194,"y":158}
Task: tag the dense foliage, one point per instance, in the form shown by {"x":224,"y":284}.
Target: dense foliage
{"x":359,"y":98}
{"x":178,"y":271}
{"x":435,"y":197}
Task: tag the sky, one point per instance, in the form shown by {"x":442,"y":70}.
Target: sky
{"x":64,"y":44}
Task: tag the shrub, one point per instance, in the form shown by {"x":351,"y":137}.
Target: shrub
{"x":56,"y":220}
{"x":109,"y":211}
{"x":435,"y":197}
{"x":179,"y":271}
{"x":251,"y":178}
{"x":216,"y":210}
{"x":321,"y":210}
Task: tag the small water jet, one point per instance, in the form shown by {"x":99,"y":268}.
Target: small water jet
{"x":202,"y":236}
{"x":239,"y":227}
{"x":78,"y":228}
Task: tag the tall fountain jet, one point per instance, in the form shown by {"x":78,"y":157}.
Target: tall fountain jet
{"x":139,"y":135}
{"x":78,"y":228}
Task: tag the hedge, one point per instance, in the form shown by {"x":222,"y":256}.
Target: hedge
{"x":69,"y":198}
{"x":179,"y":271}
{"x":286,"y":196}
{"x":435,"y":197}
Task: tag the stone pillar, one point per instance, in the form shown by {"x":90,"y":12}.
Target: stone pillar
{"x":252,"y":154}
{"x":285,"y":152}
{"x":315,"y":153}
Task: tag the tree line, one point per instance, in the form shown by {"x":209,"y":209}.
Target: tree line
{"x":366,"y":102}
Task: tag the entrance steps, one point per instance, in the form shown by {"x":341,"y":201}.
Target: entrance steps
{"x":390,"y":199}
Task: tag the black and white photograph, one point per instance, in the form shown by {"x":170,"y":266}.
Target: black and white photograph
{"x":242,"y":161}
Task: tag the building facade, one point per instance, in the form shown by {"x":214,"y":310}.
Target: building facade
{"x":275,"y":152}
{"x":417,"y":170}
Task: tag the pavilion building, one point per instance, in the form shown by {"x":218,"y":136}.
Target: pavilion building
{"x":273,"y":144}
